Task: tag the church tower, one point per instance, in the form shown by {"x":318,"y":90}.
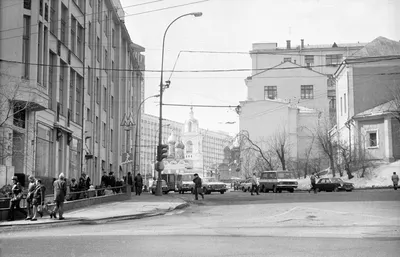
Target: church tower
{"x":193,"y":142}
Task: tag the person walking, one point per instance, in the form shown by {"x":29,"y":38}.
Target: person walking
{"x":60,"y":191}
{"x":73,"y":188}
{"x":395,"y":180}
{"x":254,"y":184}
{"x":313,"y":186}
{"x":38,"y":200}
{"x":138,"y":184}
{"x":86,"y":178}
{"x":130,"y":181}
{"x":104,"y":179}
{"x":16,"y":196}
{"x":197,"y":187}
{"x":29,"y":196}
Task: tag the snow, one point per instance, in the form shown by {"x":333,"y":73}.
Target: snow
{"x":380,"y":176}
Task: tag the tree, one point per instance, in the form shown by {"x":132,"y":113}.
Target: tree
{"x":280,"y":145}
{"x":326,"y":141}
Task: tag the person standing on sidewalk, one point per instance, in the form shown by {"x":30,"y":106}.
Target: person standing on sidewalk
{"x":129,"y":180}
{"x":313,"y":186}
{"x":29,"y":196}
{"x":197,"y":187}
{"x":395,"y":180}
{"x":38,"y":200}
{"x":254,"y":184}
{"x":138,"y":184}
{"x":60,"y":191}
{"x":16,"y":196}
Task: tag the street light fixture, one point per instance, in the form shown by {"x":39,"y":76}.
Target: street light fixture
{"x":159,"y":167}
{"x":136,"y":134}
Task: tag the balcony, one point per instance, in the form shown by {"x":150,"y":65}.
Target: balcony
{"x":33,"y":96}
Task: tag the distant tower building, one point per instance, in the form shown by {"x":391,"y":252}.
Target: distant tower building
{"x":192,"y":139}
{"x":171,"y":145}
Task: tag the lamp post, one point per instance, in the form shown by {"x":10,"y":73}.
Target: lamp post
{"x":195,"y":14}
{"x":136,"y":134}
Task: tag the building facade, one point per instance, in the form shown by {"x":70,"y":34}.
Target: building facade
{"x":79,"y":76}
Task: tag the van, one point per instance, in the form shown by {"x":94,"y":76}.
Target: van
{"x":277,"y":181}
{"x":185,"y":182}
{"x":171,"y":181}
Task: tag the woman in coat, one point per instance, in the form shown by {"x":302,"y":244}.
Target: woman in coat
{"x":16,"y":195}
{"x":38,"y":200}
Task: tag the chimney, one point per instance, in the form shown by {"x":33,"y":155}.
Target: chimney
{"x":302,"y":44}
{"x":288,"y":44}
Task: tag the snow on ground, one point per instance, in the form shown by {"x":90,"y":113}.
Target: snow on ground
{"x":380,"y":176}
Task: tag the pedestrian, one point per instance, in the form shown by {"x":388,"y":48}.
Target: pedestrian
{"x":29,"y":196}
{"x":111,"y":181}
{"x":60,"y":191}
{"x":395,"y":180}
{"x":86,"y":178}
{"x":130,"y":181}
{"x":313,"y":186}
{"x":38,"y":200}
{"x":73,"y":188}
{"x":104,"y":179}
{"x":197,"y":187}
{"x":254,"y":184}
{"x":138,"y":184}
{"x":16,"y":196}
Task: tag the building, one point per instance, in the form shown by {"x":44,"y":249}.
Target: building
{"x":290,"y":89}
{"x":366,"y":87}
{"x":191,"y":148}
{"x":78,"y":76}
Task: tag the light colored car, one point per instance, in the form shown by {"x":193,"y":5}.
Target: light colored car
{"x":246,"y":185}
{"x":164,"y":187}
{"x":185,"y":182}
{"x":213,"y":185}
{"x":277,"y":181}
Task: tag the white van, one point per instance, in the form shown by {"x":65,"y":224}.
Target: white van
{"x":277,"y":181}
{"x":185,"y":182}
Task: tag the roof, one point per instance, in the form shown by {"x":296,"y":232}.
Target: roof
{"x":380,"y":46}
{"x":382,"y":109}
{"x":308,"y":47}
{"x":293,"y":66}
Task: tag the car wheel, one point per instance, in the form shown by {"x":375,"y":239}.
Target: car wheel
{"x":291,"y":190}
{"x":336,"y":189}
{"x":280,"y":191}
{"x":192,"y":191}
{"x":349,"y":190}
{"x":222,"y":192}
{"x":244,"y":190}
{"x":318,"y":189}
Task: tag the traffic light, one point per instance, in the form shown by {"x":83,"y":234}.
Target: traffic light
{"x":162,"y":152}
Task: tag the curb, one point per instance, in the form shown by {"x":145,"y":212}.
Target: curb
{"x":21,"y":227}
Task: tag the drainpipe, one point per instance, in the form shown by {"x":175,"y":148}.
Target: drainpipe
{"x":83,"y":94}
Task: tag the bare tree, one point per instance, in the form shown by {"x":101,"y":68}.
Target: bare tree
{"x":326,"y":141}
{"x":279,"y":143}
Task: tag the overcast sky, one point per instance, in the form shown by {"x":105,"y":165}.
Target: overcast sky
{"x":232,"y":26}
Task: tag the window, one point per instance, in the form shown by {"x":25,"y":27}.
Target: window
{"x":112,"y":106}
{"x":105,"y":24}
{"x":44,"y":146}
{"x":104,"y":134}
{"x":45,"y":55}
{"x":26,"y":45}
{"x":98,"y":91}
{"x":63,"y":81}
{"x":40,"y":53}
{"x":73,"y":34}
{"x":341,"y":106}
{"x":19,"y":117}
{"x":41,"y":7}
{"x":53,"y":16}
{"x":64,"y":18}
{"x":79,"y":41}
{"x":333,"y":59}
{"x":90,"y":42}
{"x":71,"y":92}
{"x":90,"y":3}
{"x":99,"y":11}
{"x":332,"y":103}
{"x":287,"y":59}
{"x":90,"y":81}
{"x":345,"y":103}
{"x":372,"y":137}
{"x":88,"y":115}
{"x":113,"y":38}
{"x":105,"y":99}
{"x":97,"y":129}
{"x":307,"y":92}
{"x":111,"y":140}
{"x":98,"y":49}
{"x":27,"y":4}
{"x":46,"y":11}
{"x":309,"y":60}
{"x":105,"y":60}
{"x":78,"y":96}
{"x":52,"y":74}
{"x":112,"y":71}
{"x":270,"y":92}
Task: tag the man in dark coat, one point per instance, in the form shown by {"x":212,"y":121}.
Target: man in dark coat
{"x":197,"y":187}
{"x":60,"y":191}
{"x":104,"y":179}
{"x":138,"y":184}
{"x":130,"y":181}
{"x":111,"y":180}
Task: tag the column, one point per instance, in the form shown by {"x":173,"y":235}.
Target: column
{"x":387,"y":134}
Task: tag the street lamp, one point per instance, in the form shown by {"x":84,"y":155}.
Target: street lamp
{"x":159,"y":168}
{"x":136,"y":134}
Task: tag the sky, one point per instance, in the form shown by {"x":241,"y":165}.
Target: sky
{"x":233,"y":26}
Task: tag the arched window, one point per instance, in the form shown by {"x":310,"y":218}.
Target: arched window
{"x":189,"y":147}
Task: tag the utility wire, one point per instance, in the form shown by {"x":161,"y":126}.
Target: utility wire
{"x":199,"y":105}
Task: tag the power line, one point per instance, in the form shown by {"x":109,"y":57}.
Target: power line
{"x":198,"y":105}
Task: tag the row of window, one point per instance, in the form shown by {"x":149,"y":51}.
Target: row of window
{"x":306,"y":92}
{"x":330,"y":59}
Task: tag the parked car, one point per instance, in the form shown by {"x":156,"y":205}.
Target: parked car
{"x":246,"y":185}
{"x":333,"y":184}
{"x":277,"y":181}
{"x":185,"y":182}
{"x":213,"y":185}
{"x":164,"y":187}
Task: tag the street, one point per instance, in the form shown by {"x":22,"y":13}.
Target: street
{"x":359,"y":223}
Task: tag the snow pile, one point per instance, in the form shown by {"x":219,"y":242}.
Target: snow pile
{"x":380,"y":176}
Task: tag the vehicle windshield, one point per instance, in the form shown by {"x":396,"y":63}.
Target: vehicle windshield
{"x":337,"y":180}
{"x":210,"y":180}
{"x":187,"y":177}
{"x":285,"y":175}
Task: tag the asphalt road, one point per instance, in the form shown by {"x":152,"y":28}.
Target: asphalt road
{"x":360,"y":223}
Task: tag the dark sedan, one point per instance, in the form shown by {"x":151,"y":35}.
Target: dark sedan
{"x":333,"y":184}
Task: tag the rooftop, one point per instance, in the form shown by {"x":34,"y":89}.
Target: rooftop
{"x":380,"y":46}
{"x":385,"y":108}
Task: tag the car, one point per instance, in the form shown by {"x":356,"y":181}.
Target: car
{"x":333,"y":184}
{"x":185,"y":182}
{"x":246,"y":185}
{"x":164,"y":187}
{"x":277,"y":181}
{"x":213,"y":185}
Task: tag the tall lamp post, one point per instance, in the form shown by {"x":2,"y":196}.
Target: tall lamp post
{"x":136,"y":134}
{"x":159,"y":161}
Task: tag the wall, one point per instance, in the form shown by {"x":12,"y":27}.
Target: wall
{"x":373,"y":124}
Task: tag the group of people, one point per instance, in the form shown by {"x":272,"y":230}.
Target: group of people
{"x":136,"y":182}
{"x":35,"y":198}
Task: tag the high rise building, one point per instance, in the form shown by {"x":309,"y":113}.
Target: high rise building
{"x":71,"y":79}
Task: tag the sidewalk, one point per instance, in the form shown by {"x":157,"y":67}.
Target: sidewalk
{"x":146,"y":205}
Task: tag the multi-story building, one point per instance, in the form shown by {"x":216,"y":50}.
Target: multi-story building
{"x":76,"y":75}
{"x":201,"y":149}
